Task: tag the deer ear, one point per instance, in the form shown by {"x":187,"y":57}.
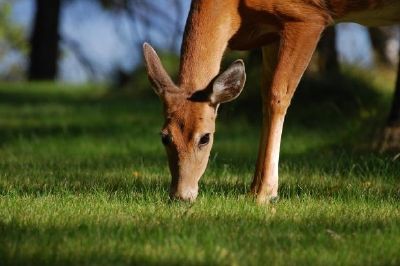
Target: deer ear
{"x":229,"y":84}
{"x":158,"y":77}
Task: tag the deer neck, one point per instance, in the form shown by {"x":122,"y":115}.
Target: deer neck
{"x":209,"y":27}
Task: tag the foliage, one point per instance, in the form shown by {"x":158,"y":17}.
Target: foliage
{"x":12,"y":41}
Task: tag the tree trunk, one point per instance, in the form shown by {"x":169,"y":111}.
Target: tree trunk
{"x":44,"y":41}
{"x":327,"y":53}
{"x":379,"y":38}
{"x":390,"y":139}
{"x":394,"y":116}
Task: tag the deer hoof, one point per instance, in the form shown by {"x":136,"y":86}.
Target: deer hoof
{"x":274,"y":199}
{"x":267,"y":199}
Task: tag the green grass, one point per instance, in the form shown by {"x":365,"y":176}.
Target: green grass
{"x":83,"y":180}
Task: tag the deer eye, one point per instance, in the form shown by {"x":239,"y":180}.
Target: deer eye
{"x":166,"y":139}
{"x":204,"y":140}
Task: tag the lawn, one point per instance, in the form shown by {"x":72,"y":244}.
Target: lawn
{"x":84,"y":180}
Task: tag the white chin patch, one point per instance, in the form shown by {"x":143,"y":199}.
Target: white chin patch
{"x":190,"y":194}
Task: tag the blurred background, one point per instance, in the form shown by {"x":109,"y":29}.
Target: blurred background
{"x":99,"y":42}
{"x":93,"y":40}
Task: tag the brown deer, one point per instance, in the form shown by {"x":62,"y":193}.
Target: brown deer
{"x":288,"y":32}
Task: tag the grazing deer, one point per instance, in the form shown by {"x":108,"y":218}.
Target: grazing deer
{"x":288,"y":32}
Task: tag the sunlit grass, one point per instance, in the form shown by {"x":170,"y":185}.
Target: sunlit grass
{"x":83,"y":180}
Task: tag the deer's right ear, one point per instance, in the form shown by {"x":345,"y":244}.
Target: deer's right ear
{"x":158,"y":77}
{"x":229,"y":84}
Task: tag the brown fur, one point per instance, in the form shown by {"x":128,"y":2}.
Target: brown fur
{"x":287,"y":31}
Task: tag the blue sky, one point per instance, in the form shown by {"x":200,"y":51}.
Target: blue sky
{"x":95,"y":29}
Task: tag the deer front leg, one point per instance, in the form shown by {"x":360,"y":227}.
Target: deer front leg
{"x":297,"y":44}
{"x":269,"y":55}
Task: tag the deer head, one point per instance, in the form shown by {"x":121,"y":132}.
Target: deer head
{"x":189,"y":126}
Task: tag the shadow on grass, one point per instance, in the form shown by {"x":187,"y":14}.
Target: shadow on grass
{"x":137,"y":240}
{"x":29,"y":132}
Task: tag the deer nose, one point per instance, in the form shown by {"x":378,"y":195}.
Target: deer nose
{"x":184,"y":194}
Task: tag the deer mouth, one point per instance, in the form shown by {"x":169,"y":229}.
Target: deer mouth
{"x":188,"y":193}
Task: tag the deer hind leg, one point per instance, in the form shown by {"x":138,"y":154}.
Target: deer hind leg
{"x":297,"y":44}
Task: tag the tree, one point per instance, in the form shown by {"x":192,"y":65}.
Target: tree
{"x":390,"y":139}
{"x":43,"y":63}
{"x":380,"y":36}
{"x":394,"y":116}
{"x":12,"y":44}
{"x":327,"y":53}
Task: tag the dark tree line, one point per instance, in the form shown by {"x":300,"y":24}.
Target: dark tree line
{"x":45,"y":39}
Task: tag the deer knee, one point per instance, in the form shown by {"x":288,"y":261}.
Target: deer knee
{"x":278,"y":103}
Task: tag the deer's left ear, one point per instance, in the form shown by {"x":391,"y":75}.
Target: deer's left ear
{"x":229,"y":84}
{"x":158,"y":77}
